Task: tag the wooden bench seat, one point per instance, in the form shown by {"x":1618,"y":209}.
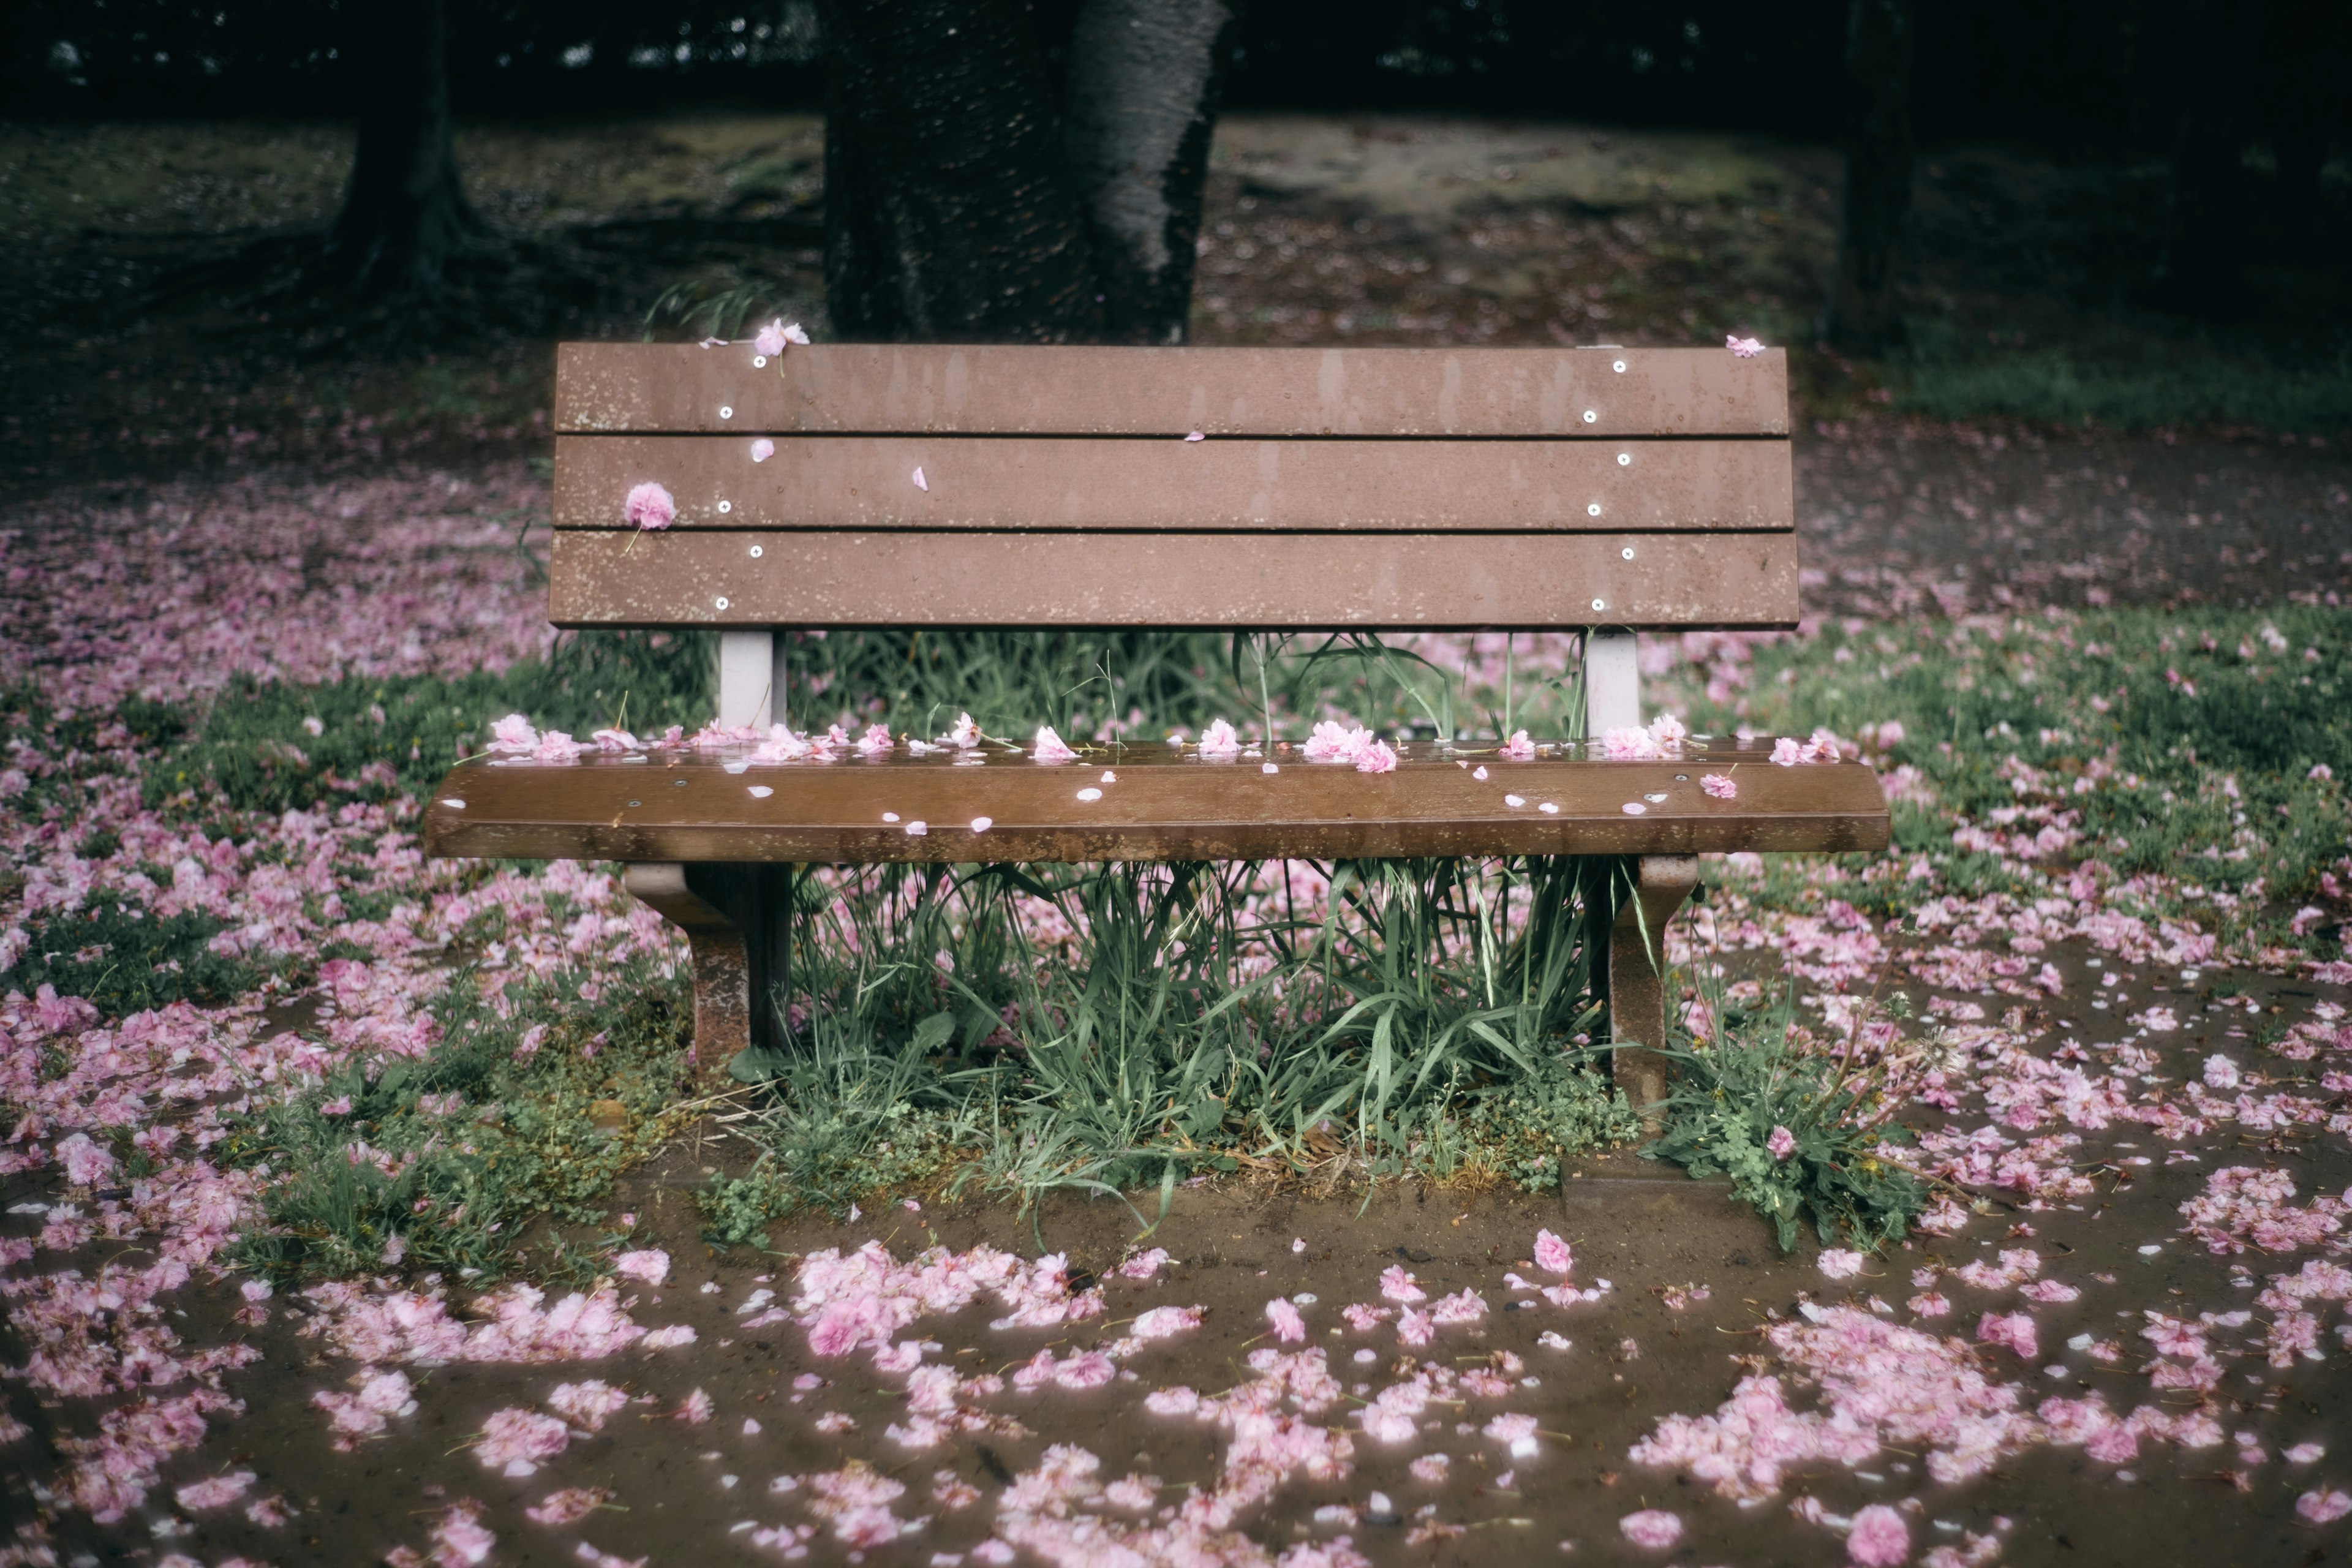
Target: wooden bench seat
{"x":845,"y":486}
{"x":1164,"y":804}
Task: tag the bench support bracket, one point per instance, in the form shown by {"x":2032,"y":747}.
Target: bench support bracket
{"x":737,"y":926}
{"x":1637,"y":993}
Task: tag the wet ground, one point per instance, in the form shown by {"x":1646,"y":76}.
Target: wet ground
{"x":1690,"y":1280}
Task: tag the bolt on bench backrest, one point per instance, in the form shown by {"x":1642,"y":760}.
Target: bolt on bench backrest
{"x":1373,"y":489}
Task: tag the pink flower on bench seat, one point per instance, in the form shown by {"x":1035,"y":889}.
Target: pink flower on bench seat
{"x":1745,"y":348}
{"x":1050,"y":747}
{"x":782,"y":746}
{"x":513,"y":734}
{"x":650,"y":507}
{"x":1630,"y":744}
{"x":874,"y":741}
{"x":1218,"y":740}
{"x":1330,"y":743}
{"x":771,"y":338}
{"x":1519,"y":748}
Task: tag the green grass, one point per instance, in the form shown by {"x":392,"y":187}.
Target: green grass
{"x":479,"y":1142}
{"x":267,"y":747}
{"x":121,"y":959}
{"x":1433,"y":1026}
{"x":2088,"y":722}
{"x":2075,"y":388}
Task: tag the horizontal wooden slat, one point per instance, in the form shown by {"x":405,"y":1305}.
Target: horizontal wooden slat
{"x":1160,"y":808}
{"x":1074,"y":390}
{"x":1057,"y":482}
{"x":1307,"y":581}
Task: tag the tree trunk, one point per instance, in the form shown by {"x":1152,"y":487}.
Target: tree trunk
{"x":949,"y":213}
{"x":1865,"y":312}
{"x":404,"y":213}
{"x":966,"y":199}
{"x":2197,"y":269}
{"x":1140,"y":103}
{"x":2303,"y":44}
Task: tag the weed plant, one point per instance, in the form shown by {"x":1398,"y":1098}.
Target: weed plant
{"x":1734,"y":1093}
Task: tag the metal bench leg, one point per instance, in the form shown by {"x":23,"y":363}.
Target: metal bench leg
{"x":1637,"y":994}
{"x":737,"y":925}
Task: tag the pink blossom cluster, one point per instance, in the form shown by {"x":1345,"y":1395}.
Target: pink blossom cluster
{"x":1879,"y":1385}
{"x":1354,"y":744}
{"x":866,"y":1296}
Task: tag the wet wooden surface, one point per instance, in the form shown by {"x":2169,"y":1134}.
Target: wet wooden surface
{"x":1081,"y":391}
{"x":1058,"y":482}
{"x":1423,"y":581}
{"x":1162,"y":805}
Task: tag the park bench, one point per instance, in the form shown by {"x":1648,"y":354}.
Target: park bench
{"x":1271,"y":490}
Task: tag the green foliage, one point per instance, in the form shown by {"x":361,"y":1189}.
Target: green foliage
{"x":1522,"y":1128}
{"x":846,"y":1117}
{"x":269,"y":746}
{"x":1730,"y":1094}
{"x":122,"y":959}
{"x":479,"y":1141}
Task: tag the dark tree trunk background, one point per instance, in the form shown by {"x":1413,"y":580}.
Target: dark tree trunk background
{"x":970,"y":196}
{"x":947,"y":210}
{"x":2197,"y":270}
{"x":1865,"y":312}
{"x":404,"y":217}
{"x":2304,"y":47}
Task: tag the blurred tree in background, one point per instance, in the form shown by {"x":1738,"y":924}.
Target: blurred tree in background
{"x":998,"y":170}
{"x":1866,"y":311}
{"x":1040,"y":159}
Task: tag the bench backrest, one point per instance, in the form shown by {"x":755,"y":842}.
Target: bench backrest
{"x":1376,"y":488}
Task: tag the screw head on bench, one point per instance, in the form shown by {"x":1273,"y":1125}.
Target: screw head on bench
{"x":1599,"y":605}
{"x":756,"y":553}
{"x":722,"y":601}
{"x":725,"y":411}
{"x":1624,"y":459}
{"x":1619,"y":367}
{"x":1589,"y":416}
{"x":759,"y":362}
{"x":1627,"y":553}
{"x":1593,"y":510}
{"x":636,"y":803}
{"x":725,"y":507}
